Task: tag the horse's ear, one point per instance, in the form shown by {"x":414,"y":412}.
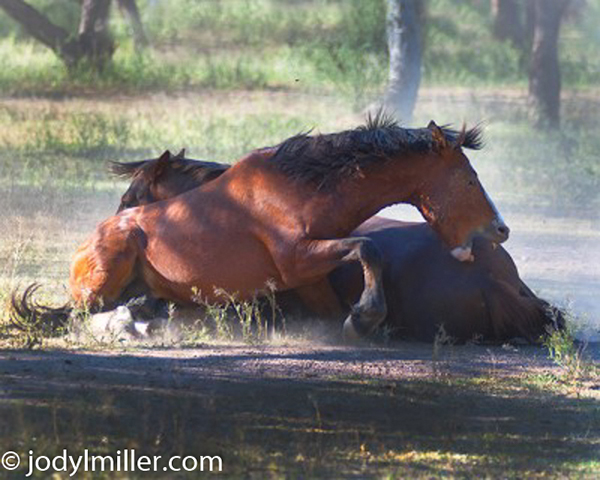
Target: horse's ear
{"x":158,"y":167}
{"x":438,"y":137}
{"x":181,"y":154}
{"x":165,"y":157}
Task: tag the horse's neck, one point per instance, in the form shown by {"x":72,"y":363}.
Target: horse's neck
{"x":366,"y":196}
{"x":334,"y":211}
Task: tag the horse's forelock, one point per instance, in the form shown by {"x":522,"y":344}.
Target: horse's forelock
{"x":473,"y":138}
{"x":465,"y":138}
{"x":462,"y":135}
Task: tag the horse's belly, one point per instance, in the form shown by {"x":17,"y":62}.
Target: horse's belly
{"x":198,"y":266}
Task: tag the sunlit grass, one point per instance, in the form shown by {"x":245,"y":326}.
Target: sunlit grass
{"x":37,"y":131}
{"x":338,"y":47}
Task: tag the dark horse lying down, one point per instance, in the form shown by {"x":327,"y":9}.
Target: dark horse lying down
{"x":424,"y":286}
{"x":275,"y":206}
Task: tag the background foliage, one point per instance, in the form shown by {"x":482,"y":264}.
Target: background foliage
{"x":312,"y":45}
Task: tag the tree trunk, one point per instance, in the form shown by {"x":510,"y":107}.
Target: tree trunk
{"x":544,"y":70}
{"x":507,"y":22}
{"x":529,"y":21}
{"x":130,"y":9}
{"x":94,"y":38}
{"x":405,"y":45}
{"x":42,"y":29}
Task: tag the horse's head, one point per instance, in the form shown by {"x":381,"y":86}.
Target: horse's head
{"x":164,"y":177}
{"x":453,"y":200}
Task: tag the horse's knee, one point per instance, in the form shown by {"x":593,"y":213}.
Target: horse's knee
{"x":367,"y":253}
{"x":370,"y":253}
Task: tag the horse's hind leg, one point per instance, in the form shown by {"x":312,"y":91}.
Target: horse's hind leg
{"x":319,"y":257}
{"x":103,"y":266}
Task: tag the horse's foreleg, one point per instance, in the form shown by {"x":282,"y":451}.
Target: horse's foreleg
{"x":319,"y":257}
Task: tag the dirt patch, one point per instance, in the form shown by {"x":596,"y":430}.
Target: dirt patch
{"x":316,"y":411}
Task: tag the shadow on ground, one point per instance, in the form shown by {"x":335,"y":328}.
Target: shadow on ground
{"x":316,"y":412}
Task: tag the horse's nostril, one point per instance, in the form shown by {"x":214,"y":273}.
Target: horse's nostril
{"x":503,"y":230}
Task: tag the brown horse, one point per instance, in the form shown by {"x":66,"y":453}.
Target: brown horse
{"x":268,"y":219}
{"x":424,"y":286}
{"x":164,"y":177}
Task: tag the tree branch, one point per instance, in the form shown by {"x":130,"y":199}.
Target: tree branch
{"x":36,"y":24}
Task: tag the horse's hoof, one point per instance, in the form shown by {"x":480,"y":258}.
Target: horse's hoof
{"x":349,"y":331}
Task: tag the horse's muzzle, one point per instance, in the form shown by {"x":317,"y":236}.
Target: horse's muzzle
{"x":498,"y":231}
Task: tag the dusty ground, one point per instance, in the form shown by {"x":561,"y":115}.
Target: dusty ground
{"x":310,"y":411}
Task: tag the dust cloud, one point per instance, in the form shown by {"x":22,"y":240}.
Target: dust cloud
{"x":553,"y":216}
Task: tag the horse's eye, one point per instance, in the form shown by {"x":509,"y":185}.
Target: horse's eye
{"x":471,"y":183}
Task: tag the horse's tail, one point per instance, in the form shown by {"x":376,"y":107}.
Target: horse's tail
{"x":519,"y":312}
{"x":26,"y":313}
{"x":557,"y":318}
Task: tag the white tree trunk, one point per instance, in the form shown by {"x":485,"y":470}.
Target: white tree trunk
{"x":405,"y":45}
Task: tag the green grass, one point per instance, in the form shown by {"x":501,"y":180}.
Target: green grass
{"x":460,"y":48}
{"x":42,"y":138}
{"x":334,"y":46}
{"x":69,"y":142}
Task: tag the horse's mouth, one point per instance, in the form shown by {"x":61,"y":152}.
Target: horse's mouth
{"x":496,"y":233}
{"x":463,"y":253}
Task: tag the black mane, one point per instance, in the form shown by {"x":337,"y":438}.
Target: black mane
{"x":323,"y":159}
{"x":198,"y":169}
